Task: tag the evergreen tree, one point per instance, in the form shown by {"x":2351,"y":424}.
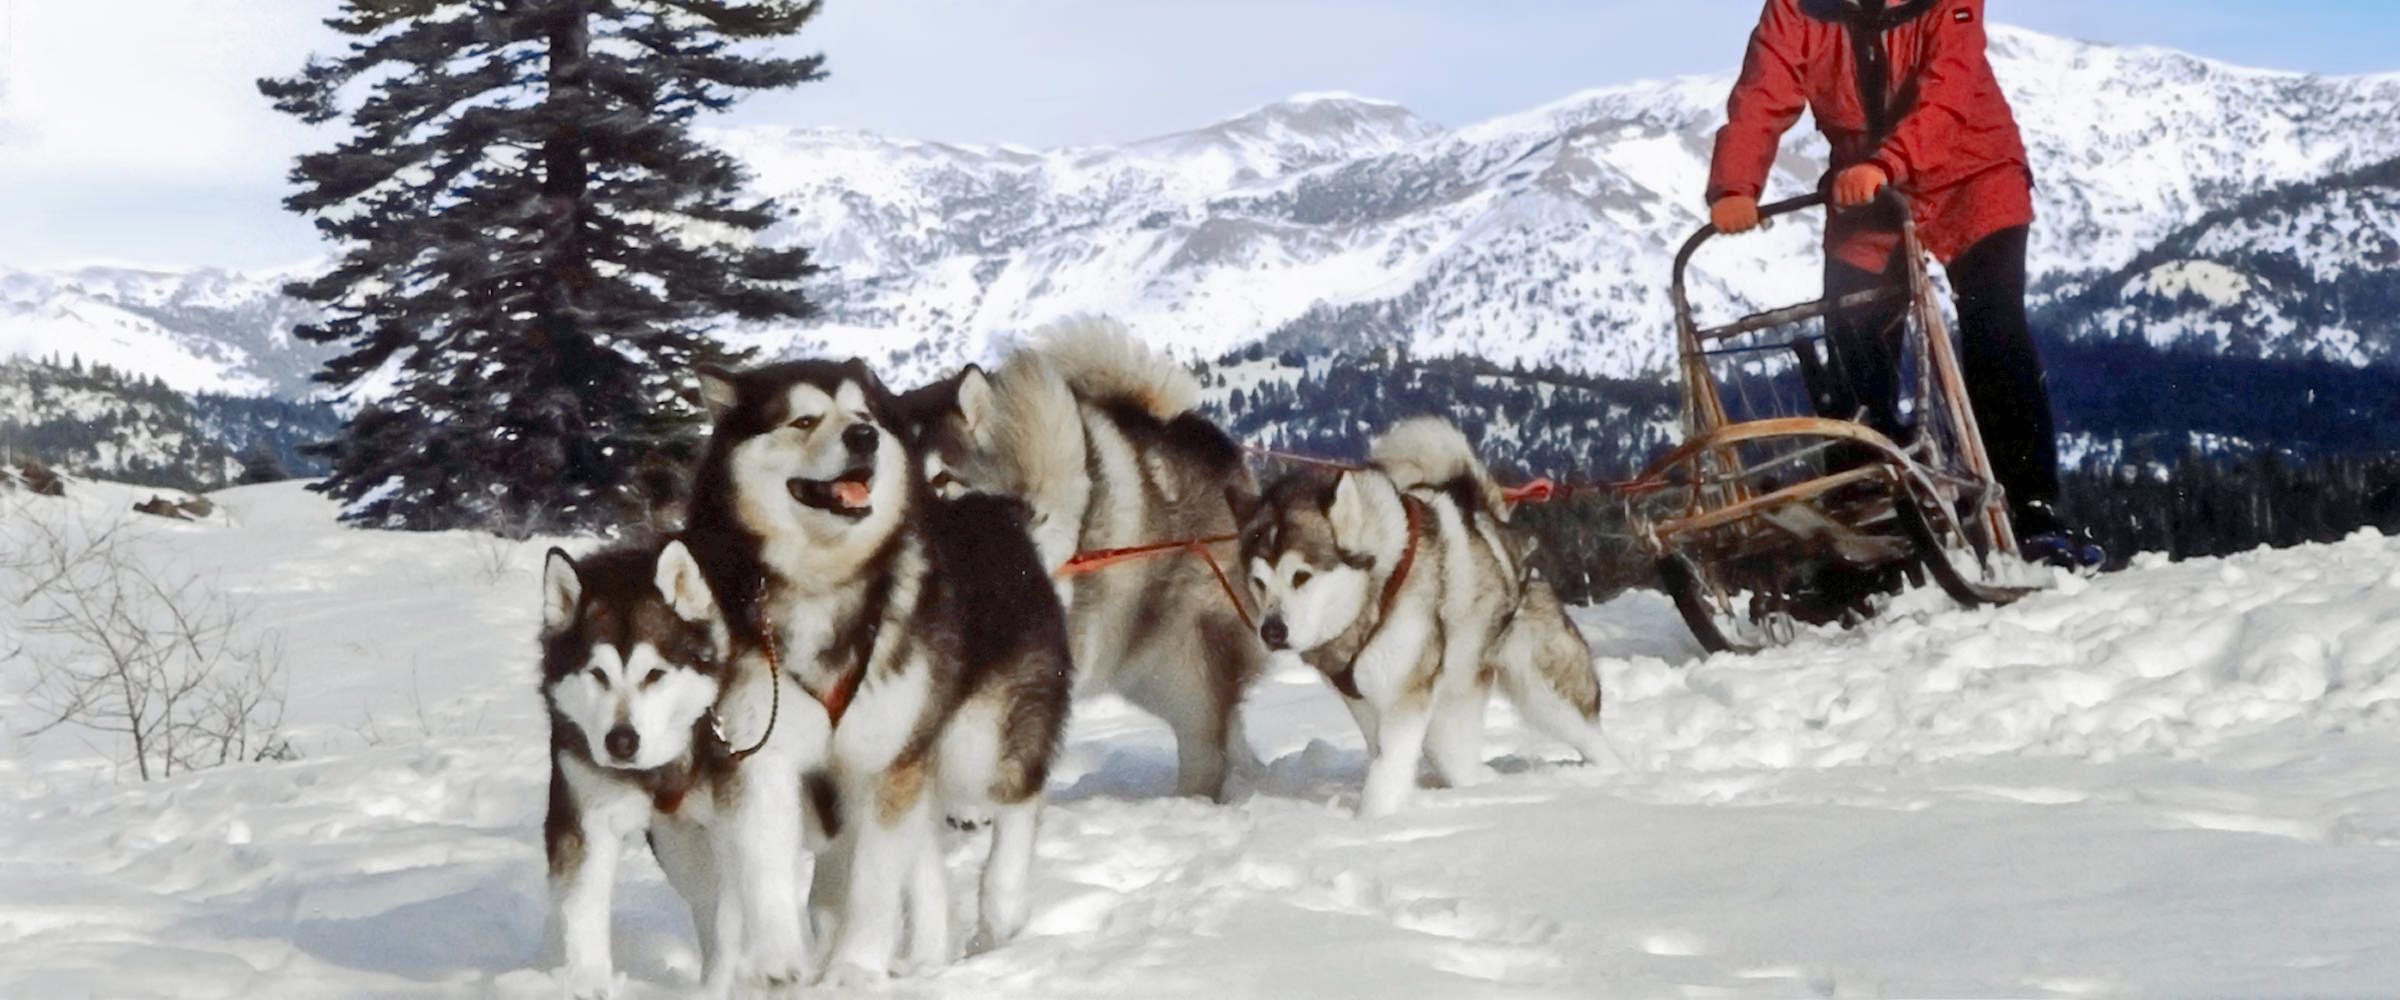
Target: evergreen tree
{"x":533,"y":246}
{"x":259,"y":465}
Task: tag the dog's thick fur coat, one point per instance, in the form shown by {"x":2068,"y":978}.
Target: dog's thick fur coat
{"x":634,"y":656}
{"x":921,"y":631}
{"x":1402,"y":584}
{"x":1103,"y":441}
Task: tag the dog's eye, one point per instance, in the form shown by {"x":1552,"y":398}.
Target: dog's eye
{"x":601,"y":676}
{"x":656,"y":675}
{"x":1300,"y":579}
{"x":808,"y":423}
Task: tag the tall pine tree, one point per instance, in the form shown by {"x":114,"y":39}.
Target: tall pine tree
{"x":533,"y":247}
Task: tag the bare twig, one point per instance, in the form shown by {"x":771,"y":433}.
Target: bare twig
{"x":166,"y":661}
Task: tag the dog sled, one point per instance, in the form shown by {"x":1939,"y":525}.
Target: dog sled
{"x":1769,"y":516}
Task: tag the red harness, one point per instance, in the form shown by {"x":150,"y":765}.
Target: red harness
{"x":1098,"y":559}
{"x":836,"y":699}
{"x":1408,"y":558}
{"x":1346,"y":681}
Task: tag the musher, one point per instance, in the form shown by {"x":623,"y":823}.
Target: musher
{"x":1906,"y":98}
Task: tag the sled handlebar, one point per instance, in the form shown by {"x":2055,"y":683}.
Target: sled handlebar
{"x":1695,"y":338}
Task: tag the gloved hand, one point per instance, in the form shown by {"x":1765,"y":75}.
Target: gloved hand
{"x":1734,"y":213}
{"x":1856,"y":186}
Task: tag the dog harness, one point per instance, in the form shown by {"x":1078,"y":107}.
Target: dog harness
{"x":1346,"y":680}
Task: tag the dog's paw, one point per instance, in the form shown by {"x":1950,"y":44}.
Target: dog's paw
{"x":986,"y":939}
{"x":772,"y":977}
{"x":1375,"y":807}
{"x":768,"y":987}
{"x":850,"y":976}
{"x":587,"y":983}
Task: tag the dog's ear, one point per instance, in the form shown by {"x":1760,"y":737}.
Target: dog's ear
{"x":562,"y":590}
{"x":680,"y":581}
{"x":974,"y":400}
{"x":1350,"y":511}
{"x":717,"y":392}
{"x":859,"y":371}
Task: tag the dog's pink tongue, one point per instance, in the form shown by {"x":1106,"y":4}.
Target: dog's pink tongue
{"x":851,"y":493}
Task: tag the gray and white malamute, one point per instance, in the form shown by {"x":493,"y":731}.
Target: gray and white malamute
{"x":924,"y":632}
{"x":634,"y":658}
{"x":1102,"y":440}
{"x":1402,"y":584}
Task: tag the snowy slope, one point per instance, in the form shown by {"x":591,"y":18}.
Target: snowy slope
{"x":204,"y":330}
{"x":2305,"y":272}
{"x":1540,"y":237}
{"x":2177,"y":780}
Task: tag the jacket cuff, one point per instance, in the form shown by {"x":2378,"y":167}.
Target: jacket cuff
{"x":1895,"y":170}
{"x":1718,"y":194}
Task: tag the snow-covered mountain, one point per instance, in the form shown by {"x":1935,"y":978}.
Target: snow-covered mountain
{"x":1541,"y":237}
{"x":2302,"y":273}
{"x":204,"y":330}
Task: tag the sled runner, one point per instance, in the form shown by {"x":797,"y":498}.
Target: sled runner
{"x":1769,"y":514}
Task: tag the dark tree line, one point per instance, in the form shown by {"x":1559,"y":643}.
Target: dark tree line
{"x":2211,"y":507}
{"x":94,"y":420}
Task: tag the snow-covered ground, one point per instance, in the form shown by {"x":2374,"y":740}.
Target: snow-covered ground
{"x":2178,"y":780}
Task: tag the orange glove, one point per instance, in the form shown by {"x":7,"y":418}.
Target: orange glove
{"x":1856,"y":186}
{"x":1734,"y":213}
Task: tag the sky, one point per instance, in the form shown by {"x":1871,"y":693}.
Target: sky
{"x":131,"y":131}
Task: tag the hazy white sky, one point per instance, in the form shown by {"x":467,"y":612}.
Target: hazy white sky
{"x":131,"y":131}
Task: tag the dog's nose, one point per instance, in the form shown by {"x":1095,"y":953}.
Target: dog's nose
{"x":1275,"y":634}
{"x":623,"y":742}
{"x":861,"y":439}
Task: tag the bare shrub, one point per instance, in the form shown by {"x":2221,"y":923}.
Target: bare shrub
{"x":122,"y":645}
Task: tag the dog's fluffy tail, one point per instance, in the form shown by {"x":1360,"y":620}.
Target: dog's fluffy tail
{"x":1432,"y":452}
{"x":1102,"y":363}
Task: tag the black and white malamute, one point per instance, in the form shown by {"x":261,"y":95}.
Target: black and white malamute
{"x":1402,"y":584}
{"x":924,"y":632}
{"x":634,"y":658}
{"x":1104,"y":442}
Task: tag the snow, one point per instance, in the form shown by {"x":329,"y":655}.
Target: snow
{"x":98,"y":333}
{"x":2219,"y":285}
{"x":2180,"y":779}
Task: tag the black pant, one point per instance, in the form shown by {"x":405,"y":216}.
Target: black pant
{"x":2003,"y":372}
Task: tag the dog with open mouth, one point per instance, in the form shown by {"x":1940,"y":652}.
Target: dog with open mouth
{"x":919,"y":639}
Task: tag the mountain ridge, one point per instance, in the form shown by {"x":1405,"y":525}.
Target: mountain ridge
{"x":1538,"y":237}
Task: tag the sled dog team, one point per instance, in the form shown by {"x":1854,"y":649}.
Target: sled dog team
{"x":863,"y":630}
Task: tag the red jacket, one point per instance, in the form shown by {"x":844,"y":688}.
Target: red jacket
{"x":1952,"y":145}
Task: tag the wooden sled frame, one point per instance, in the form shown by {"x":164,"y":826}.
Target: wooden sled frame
{"x":1740,"y":520}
